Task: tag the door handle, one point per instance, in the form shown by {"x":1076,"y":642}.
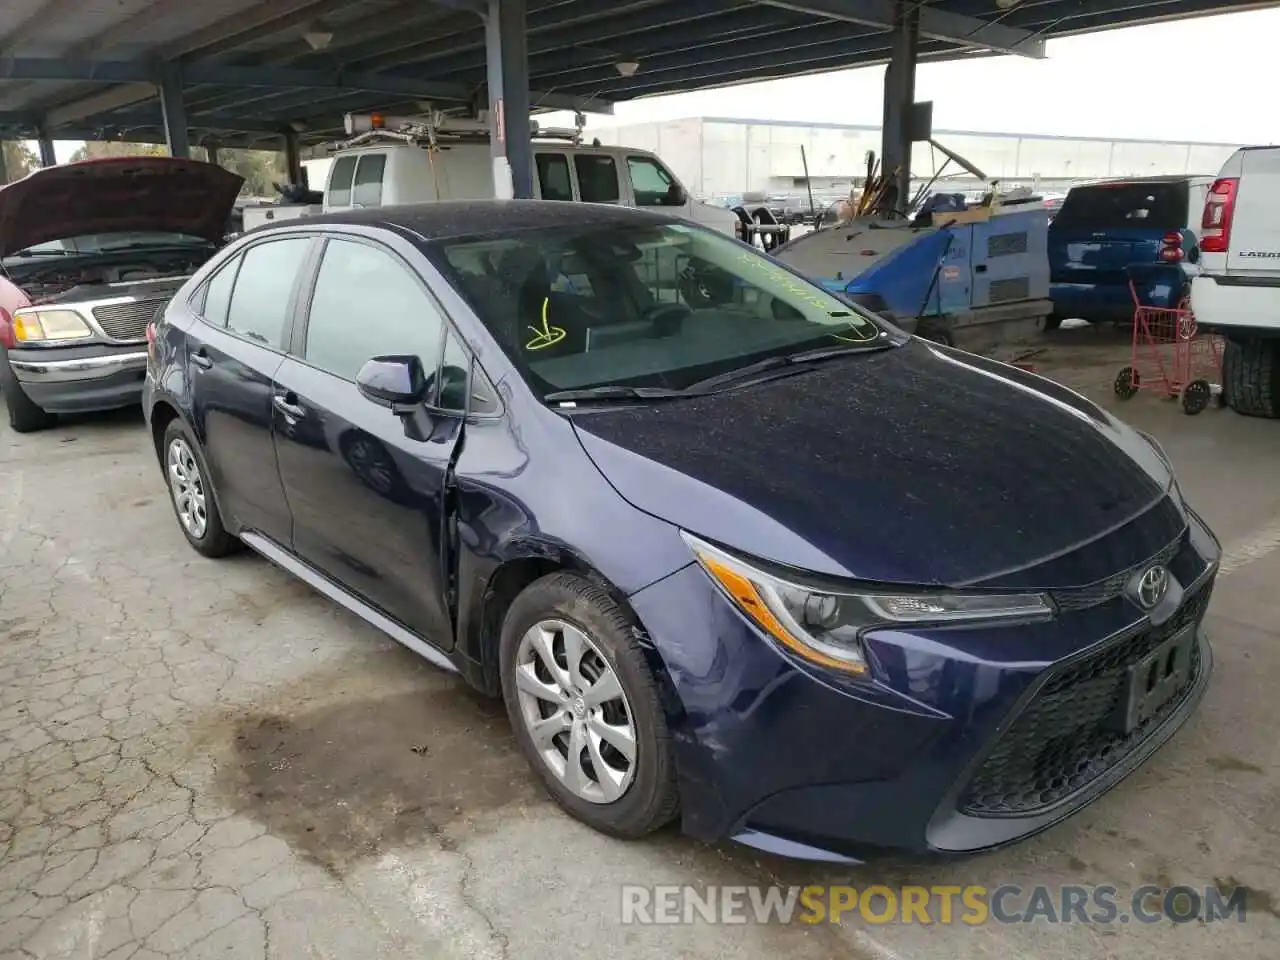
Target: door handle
{"x":201,"y":359}
{"x":289,"y":408}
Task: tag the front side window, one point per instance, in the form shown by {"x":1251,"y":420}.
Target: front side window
{"x":367,"y":304}
{"x":259,"y":307}
{"x":665,"y":305}
{"x":367,"y":191}
{"x":344,"y":168}
{"x":553,"y":176}
{"x":597,"y":178}
{"x":652,"y":184}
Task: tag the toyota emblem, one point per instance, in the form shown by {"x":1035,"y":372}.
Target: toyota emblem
{"x":1152,"y":586}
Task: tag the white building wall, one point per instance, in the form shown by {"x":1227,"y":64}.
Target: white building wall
{"x":714,"y":156}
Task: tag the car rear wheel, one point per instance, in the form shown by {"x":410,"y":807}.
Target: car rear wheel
{"x":24,"y":415}
{"x":585,"y":708}
{"x":1251,"y":377}
{"x":193,"y":502}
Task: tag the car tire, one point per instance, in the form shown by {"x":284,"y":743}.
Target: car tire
{"x":1251,"y":377}
{"x":627,"y":799}
{"x":24,"y":415}
{"x":190,"y":494}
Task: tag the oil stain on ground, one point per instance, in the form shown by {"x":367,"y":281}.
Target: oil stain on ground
{"x":344,"y":781}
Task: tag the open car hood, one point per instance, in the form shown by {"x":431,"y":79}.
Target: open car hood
{"x":115,"y":195}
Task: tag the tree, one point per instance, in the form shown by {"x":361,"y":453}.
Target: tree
{"x":97,"y":149}
{"x":19,"y":160}
{"x":260,"y":169}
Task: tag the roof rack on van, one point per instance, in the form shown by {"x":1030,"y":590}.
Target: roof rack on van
{"x":434,"y":128}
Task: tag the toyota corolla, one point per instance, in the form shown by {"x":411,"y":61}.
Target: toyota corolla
{"x":765,"y":564}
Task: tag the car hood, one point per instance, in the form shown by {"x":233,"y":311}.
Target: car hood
{"x":918,"y":464}
{"x":165,"y":194}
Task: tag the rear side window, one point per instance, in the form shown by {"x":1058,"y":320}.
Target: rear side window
{"x":553,"y":176}
{"x":217,"y":294}
{"x":259,"y":308}
{"x":344,"y":168}
{"x":367,"y":191}
{"x":1158,"y":205}
{"x":597,"y":178}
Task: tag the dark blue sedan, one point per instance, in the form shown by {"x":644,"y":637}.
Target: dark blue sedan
{"x":730,"y":548}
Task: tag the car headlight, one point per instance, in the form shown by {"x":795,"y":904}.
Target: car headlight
{"x":49,"y":325}
{"x":824,"y":626}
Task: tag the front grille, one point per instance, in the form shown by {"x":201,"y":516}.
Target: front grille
{"x":1081,"y":598}
{"x":128,"y":321}
{"x":1063,"y":738}
{"x":1015,"y":288}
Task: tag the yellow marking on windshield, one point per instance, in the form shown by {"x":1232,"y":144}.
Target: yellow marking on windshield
{"x":548,"y":335}
{"x":800,"y":290}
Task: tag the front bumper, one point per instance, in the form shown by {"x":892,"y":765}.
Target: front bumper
{"x":83,"y":378}
{"x":961,"y":741}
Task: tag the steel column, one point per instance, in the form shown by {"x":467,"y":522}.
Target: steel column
{"x":173,"y":112}
{"x":899,"y":95}
{"x":4,"y":170}
{"x":211,"y":149}
{"x":47,"y":157}
{"x":507,"y":56}
{"x":293,"y":159}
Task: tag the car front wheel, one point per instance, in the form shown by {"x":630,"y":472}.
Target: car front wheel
{"x":189,"y":491}
{"x":585,"y":708}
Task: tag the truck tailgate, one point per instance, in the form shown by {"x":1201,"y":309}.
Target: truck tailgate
{"x":1255,"y":227}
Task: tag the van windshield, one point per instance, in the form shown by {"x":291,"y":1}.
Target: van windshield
{"x":665,"y":305}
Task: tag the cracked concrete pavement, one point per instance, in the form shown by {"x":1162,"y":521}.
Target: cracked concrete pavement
{"x":205,"y":759}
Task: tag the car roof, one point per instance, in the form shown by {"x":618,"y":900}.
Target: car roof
{"x":1166,"y":178}
{"x":448,"y":219}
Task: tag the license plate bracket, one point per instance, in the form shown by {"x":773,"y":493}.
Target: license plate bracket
{"x":1156,"y":679}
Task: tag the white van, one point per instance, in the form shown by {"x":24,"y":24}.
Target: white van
{"x":400,"y":166}
{"x":1237,"y":290}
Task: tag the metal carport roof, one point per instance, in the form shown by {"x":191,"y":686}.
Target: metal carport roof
{"x":89,"y":69}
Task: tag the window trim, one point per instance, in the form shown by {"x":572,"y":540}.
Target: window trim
{"x":302,"y":322}
{"x":291,"y":306}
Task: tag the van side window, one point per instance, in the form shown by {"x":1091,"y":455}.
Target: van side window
{"x":344,"y":168}
{"x":553,"y":176}
{"x":597,"y":178}
{"x":652,"y":184}
{"x":367,"y":191}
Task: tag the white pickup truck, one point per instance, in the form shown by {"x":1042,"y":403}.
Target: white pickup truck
{"x":1237,"y":290}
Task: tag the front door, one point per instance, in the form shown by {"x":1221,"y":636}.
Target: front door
{"x":367,"y":499}
{"x":232,"y":356}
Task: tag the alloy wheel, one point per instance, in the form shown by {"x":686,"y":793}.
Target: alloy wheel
{"x":187,"y":486}
{"x":576,"y":711}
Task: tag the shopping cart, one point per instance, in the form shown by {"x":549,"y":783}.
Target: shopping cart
{"x":1171,"y":356}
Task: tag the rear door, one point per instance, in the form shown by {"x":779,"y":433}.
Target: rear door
{"x":367,"y":497}
{"x":1103,"y":228}
{"x":246,"y":310}
{"x":1255,"y":227}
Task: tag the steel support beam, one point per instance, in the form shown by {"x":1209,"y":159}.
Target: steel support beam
{"x":174,"y":113}
{"x":4,"y":169}
{"x":47,"y":157}
{"x":899,"y":95}
{"x":293,"y":159}
{"x":211,"y":150}
{"x":935,"y":24}
{"x":506,"y":45}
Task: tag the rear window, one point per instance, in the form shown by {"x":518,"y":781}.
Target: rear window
{"x":1161,"y":206}
{"x":344,"y":169}
{"x":367,"y":191}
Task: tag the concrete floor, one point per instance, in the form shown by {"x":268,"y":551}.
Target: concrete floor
{"x":203,"y":758}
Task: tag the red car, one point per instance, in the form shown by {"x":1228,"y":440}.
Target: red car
{"x":89,"y":252}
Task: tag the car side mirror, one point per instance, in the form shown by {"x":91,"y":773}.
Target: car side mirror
{"x":398,"y":382}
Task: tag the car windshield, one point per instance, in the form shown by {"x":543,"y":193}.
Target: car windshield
{"x":664,"y":305}
{"x":106,"y":242}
